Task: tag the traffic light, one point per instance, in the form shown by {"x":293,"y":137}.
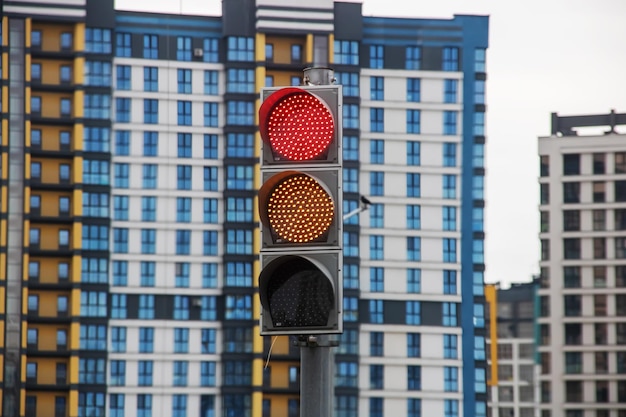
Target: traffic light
{"x":300,"y":205}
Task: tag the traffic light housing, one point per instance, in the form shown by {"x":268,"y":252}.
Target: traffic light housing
{"x":300,"y":206}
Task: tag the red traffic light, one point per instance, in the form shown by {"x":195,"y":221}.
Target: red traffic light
{"x":297,"y":125}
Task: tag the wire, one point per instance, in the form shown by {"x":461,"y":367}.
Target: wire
{"x":269,"y":354}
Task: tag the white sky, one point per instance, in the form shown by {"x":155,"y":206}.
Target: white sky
{"x":565,"y":56}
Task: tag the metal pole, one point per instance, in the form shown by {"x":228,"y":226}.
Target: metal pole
{"x":316,"y":364}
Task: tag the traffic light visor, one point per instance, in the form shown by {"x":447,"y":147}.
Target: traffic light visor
{"x":297,"y":125}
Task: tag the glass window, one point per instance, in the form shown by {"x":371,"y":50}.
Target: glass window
{"x":350,"y":83}
{"x":350,"y":148}
{"x":211,"y":114}
{"x":150,"y":111}
{"x":377,"y":183}
{"x":377,"y":120}
{"x":346,"y":52}
{"x":150,"y":79}
{"x":98,"y":40}
{"x":122,"y":142}
{"x":123,"y":77}
{"x":450,"y":60}
{"x":211,"y":82}
{"x":183,"y":48}
{"x":414,"y":378}
{"x":184,"y":81}
{"x":413,"y":57}
{"x":149,"y":176}
{"x":240,"y":48}
{"x":377,"y":88}
{"x":414,"y":280}
{"x":184,"y":113}
{"x":151,"y":46}
{"x":413,"y":313}
{"x":413,"y":121}
{"x":350,"y":116}
{"x":450,"y":122}
{"x":413,"y":184}
{"x":413,"y":216}
{"x":122,"y":44}
{"x":184,"y":145}
{"x":413,"y":89}
{"x":450,"y":88}
{"x":122,"y":110}
{"x":479,"y":91}
{"x":449,"y":250}
{"x":377,"y":151}
{"x":211,"y":144}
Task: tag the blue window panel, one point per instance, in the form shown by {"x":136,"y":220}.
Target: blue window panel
{"x":377,"y":88}
{"x":450,"y":88}
{"x":413,"y":216}
{"x":377,"y":151}
{"x":93,"y":337}
{"x":414,"y":345}
{"x":209,"y":239}
{"x":238,"y":274}
{"x":450,"y":346}
{"x":183,"y":175}
{"x":449,"y":186}
{"x":478,"y":187}
{"x":240,"y":80}
{"x":350,"y":83}
{"x":450,"y":60}
{"x":210,"y":146}
{"x":414,"y":280}
{"x":144,"y":373}
{"x":150,"y":79}
{"x":150,"y":176}
{"x":377,"y":344}
{"x":147,"y":271}
{"x":377,"y":56}
{"x":121,"y":172}
{"x":122,"y":142}
{"x":120,"y":207}
{"x":184,"y":112}
{"x":351,"y":244}
{"x":377,"y":215}
{"x":478,"y":160}
{"x":89,"y":404}
{"x":95,"y":204}
{"x":151,"y":111}
{"x":211,"y":114}
{"x":123,"y":77}
{"x":35,"y":104}
{"x":377,"y":312}
{"x":210,"y":177}
{"x":350,"y":148}
{"x":210,"y":47}
{"x":148,"y":241}
{"x":377,"y":279}
{"x":413,"y":184}
{"x":120,"y":240}
{"x":413,"y":57}
{"x":181,"y":340}
{"x":478,"y":219}
{"x":118,"y":374}
{"x":97,"y":139}
{"x":413,"y":120}
{"x":184,"y":81}
{"x":98,"y":73}
{"x":209,"y":275}
{"x":449,"y":218}
{"x":151,"y":46}
{"x":346,"y":52}
{"x":449,"y":154}
{"x":183,"y":209}
{"x":413,"y":90}
{"x":479,"y":124}
{"x":479,"y":348}
{"x":479,"y":315}
{"x":350,"y":276}
{"x":238,"y":241}
{"x":181,"y":307}
{"x":118,"y":339}
{"x":480,"y":59}
{"x":377,"y":120}
{"x":479,"y":283}
{"x":183,"y":242}
{"x":376,"y":247}
{"x":208,"y":341}
{"x":480,"y":384}
{"x":413,"y":313}
{"x":95,"y":237}
{"x":94,"y":270}
{"x":122,"y":45}
{"x":240,"y":48}
{"x":350,"y":309}
{"x":181,"y":275}
{"x":208,"y":308}
{"x":451,"y":408}
{"x":414,"y":377}
{"x":238,"y":209}
{"x":150,"y":143}
{"x":118,"y":306}
{"x":413,"y":152}
{"x":479,"y":92}
{"x":146,"y":312}
{"x":449,"y":282}
{"x":98,"y":41}
{"x":480,"y":409}
{"x":183,"y":48}
{"x":449,"y":314}
{"x":239,"y":177}
{"x":122,"y":110}
{"x":351,"y":116}
{"x":240,"y":145}
{"x":207,"y":374}
{"x":180,"y":370}
{"x":238,"y":307}
{"x":376,"y":407}
{"x":211,"y":82}
{"x":184,"y":145}
{"x":450,"y":379}
{"x":346,"y":374}
{"x":240,"y":113}
{"x":120,"y":273}
{"x":413,"y":244}
{"x":210,"y":209}
{"x":377,"y":183}
{"x":450,"y":122}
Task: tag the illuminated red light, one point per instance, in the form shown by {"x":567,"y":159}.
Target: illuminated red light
{"x":297,"y":125}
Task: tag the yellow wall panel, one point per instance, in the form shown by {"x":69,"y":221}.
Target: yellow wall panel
{"x":79,"y":37}
{"x":77,"y":107}
{"x":308,"y":50}
{"x":72,"y":373}
{"x":331,"y":48}
{"x":282,"y":47}
{"x":74,"y":336}
{"x":50,"y":202}
{"x":51,"y":103}
{"x":259,"y":53}
{"x":78,"y":73}
{"x":51,"y":35}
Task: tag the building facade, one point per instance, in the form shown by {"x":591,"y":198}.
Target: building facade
{"x":582,"y":291}
{"x":128,"y":233}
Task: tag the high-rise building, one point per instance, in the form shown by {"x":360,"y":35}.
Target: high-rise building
{"x":582,"y":294}
{"x":514,"y":388}
{"x":128,"y":234}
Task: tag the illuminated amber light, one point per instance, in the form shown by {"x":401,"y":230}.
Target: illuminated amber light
{"x":300,"y":127}
{"x":299,"y":209}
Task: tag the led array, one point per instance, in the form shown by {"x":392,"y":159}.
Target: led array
{"x":299,"y":209}
{"x":300,"y":127}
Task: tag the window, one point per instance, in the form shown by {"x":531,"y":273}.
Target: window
{"x":65,"y":107}
{"x":150,"y":143}
{"x":377,"y":88}
{"x":120,"y":273}
{"x":122,"y":44}
{"x":414,"y":378}
{"x":180,"y":370}
{"x":90,"y":404}
{"x":450,"y":88}
{"x":149,"y":176}
{"x":449,"y":250}
{"x":377,"y":183}
{"x":413,"y":216}
{"x":413,"y":57}
{"x":120,"y":207}
{"x":146,"y":305}
{"x":240,"y":113}
{"x":120,"y":240}
{"x":237,"y":242}
{"x":238,"y":80}
{"x":210,"y":49}
{"x":478,"y":160}
{"x":479,"y":91}
{"x":413,"y":184}
{"x":144,"y":373}
{"x":413,"y":153}
{"x":96,"y":106}
{"x":350,"y":83}
{"x":116,"y":405}
{"x":98,"y":73}
{"x":148,"y":241}
{"x":183,"y":173}
{"x":571,"y":248}
{"x":413,"y":121}
{"x":151,"y":46}
{"x":94,"y":204}
{"x":377,"y":213}
{"x":210,"y":114}
{"x":123,"y":77}
{"x":479,"y":124}
{"x":479,"y":60}
{"x":240,"y":49}
{"x":376,"y":310}
{"x":183,"y":48}
{"x":450,"y":379}
{"x":146,"y":339}
{"x":620,"y":191}
{"x":450,"y":59}
{"x":377,"y":151}
{"x":449,"y":186}
{"x":207,"y":374}
{"x":122,"y":110}
{"x":181,"y":340}
{"x":449,"y":314}
{"x":93,"y":336}
{"x":413,"y":89}
{"x":414,"y":280}
{"x":350,"y":116}
{"x":151,"y":111}
{"x":210,"y":144}
{"x":150,"y":79}
{"x":377,"y":344}
{"x":122,"y":140}
{"x":571,"y":164}
{"x":98,"y":40}
{"x":184,"y":81}
{"x":181,"y":307}
{"x":117,"y":373}
{"x":450,"y":346}
{"x":118,"y":306}
{"x":95,"y":237}
{"x":184,"y":113}
{"x":377,"y":279}
{"x":449,"y":122}
{"x":377,"y":373}
{"x":346,"y":52}
{"x":449,"y":154}
{"x":449,"y":282}
{"x":451,"y":408}
{"x":183,"y":241}
{"x":376,"y":247}
{"x":413,"y":313}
